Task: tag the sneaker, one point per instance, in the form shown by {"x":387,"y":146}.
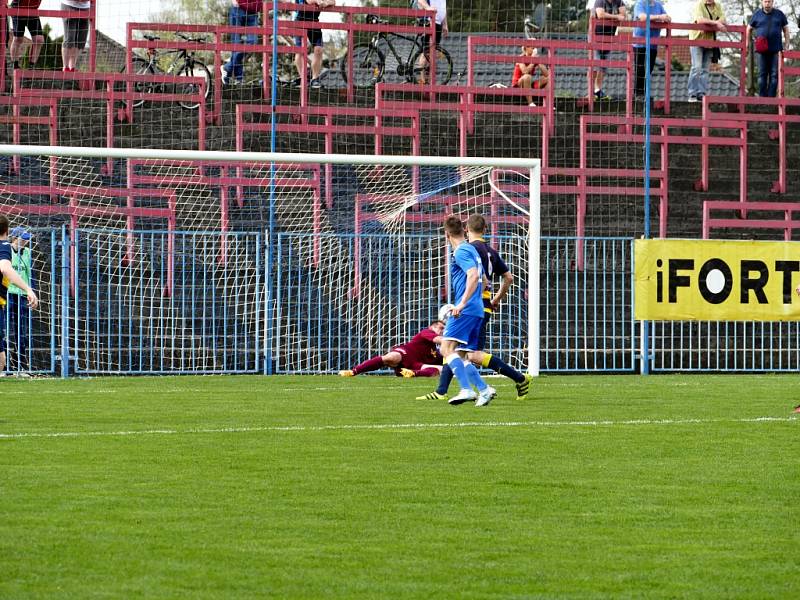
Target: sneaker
{"x":226,"y":78}
{"x":694,"y":99}
{"x":524,"y":386}
{"x":601,"y":95}
{"x":463,"y":396}
{"x":531,"y":103}
{"x":346,"y":373}
{"x":407,"y":373}
{"x":432,"y":396}
{"x":486,"y":396}
{"x":315,"y":84}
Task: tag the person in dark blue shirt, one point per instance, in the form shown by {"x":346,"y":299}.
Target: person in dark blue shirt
{"x":9,"y":277}
{"x":768,"y":24}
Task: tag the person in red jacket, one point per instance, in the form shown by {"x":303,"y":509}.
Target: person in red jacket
{"x":19,"y":24}
{"x":419,"y":357}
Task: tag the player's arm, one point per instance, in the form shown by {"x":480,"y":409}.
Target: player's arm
{"x":473,"y":280}
{"x":9,"y":273}
{"x":505,"y":285}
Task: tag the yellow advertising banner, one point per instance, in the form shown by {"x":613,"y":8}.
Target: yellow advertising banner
{"x":705,"y":280}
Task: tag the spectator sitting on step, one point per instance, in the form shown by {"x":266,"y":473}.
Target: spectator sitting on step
{"x":525,"y":74}
{"x":18,"y":25}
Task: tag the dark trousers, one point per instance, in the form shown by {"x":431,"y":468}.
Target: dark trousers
{"x":768,"y":73}
{"x":639,"y":60}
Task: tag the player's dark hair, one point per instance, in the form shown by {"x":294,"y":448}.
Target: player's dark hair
{"x":3,"y":225}
{"x":454,"y":226}
{"x":476,"y":223}
{"x":435,"y":322}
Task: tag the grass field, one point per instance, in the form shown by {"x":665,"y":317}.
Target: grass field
{"x":221,"y":487}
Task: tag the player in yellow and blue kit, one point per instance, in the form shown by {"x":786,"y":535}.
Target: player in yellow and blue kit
{"x":462,"y":331}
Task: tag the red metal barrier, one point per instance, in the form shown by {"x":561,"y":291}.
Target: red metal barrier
{"x":782,"y":119}
{"x":788,"y":223}
{"x":74,"y":210}
{"x":785,"y":70}
{"x":111,"y":95}
{"x":239,"y":176}
{"x":286,"y":27}
{"x":465,"y":107}
{"x":330,"y":128}
{"x":16,"y":120}
{"x":89,"y":14}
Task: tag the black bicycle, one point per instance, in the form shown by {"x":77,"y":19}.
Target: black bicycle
{"x":182,"y":63}
{"x":374,"y":60}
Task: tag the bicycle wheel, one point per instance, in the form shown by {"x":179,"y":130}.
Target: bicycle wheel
{"x":194,"y":69}
{"x":368,"y":63}
{"x":420,"y":74}
{"x":141,"y":66}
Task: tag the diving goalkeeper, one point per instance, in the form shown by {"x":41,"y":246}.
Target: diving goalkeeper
{"x":419,"y":357}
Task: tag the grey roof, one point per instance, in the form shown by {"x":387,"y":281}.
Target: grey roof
{"x":570,"y":81}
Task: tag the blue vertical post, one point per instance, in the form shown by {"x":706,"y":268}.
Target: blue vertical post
{"x":65,"y":284}
{"x":647,"y":90}
{"x":270,"y":245}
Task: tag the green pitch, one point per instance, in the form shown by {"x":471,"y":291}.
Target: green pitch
{"x":222,"y":487}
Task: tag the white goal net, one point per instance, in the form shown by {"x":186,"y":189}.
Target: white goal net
{"x":162,"y":261}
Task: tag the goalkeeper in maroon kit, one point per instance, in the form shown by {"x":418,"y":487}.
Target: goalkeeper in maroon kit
{"x":418,"y":357}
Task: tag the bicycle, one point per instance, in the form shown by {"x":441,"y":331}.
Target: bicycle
{"x":183,"y":64}
{"x":369,"y":64}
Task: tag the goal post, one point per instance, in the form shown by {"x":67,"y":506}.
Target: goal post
{"x":350,"y":258}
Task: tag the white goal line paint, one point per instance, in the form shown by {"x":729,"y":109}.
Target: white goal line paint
{"x":391,"y":427}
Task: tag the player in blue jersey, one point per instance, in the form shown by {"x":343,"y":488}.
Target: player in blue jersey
{"x":9,"y":276}
{"x":494,"y":267}
{"x":463,"y":329}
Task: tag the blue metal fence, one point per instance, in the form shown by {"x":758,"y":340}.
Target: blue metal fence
{"x":150,"y":302}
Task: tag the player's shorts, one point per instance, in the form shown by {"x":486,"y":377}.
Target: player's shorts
{"x":426,"y":39}
{"x":314,"y":35}
{"x":484,"y":326}
{"x":76,"y":31}
{"x":601,"y":55}
{"x":3,"y":315}
{"x":466,"y":330}
{"x":33,"y":24}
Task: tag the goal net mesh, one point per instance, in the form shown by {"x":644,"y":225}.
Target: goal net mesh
{"x":175,"y":271}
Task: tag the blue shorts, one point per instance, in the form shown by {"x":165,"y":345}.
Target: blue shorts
{"x":466,"y":330}
{"x":3,"y":316}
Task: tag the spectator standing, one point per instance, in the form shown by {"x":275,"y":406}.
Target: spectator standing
{"x":657,"y":15}
{"x":525,"y":74}
{"x":605,"y":9}
{"x":9,"y":276}
{"x":18,"y":26}
{"x":18,"y":312}
{"x":768,"y":22}
{"x":242,"y":13}
{"x":314,"y":39}
{"x":706,"y":12}
{"x":76,"y":31}
{"x":440,"y":6}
